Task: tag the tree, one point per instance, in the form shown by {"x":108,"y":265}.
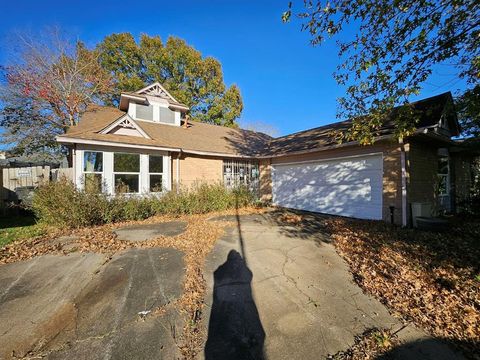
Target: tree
{"x":262,"y":127}
{"x":46,"y":89}
{"x":393,"y":49}
{"x":468,"y":109}
{"x":192,"y":79}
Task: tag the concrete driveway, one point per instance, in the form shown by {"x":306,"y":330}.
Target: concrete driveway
{"x":82,"y":307}
{"x":282,"y":292}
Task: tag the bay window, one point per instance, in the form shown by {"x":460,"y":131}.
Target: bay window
{"x":126,"y":172}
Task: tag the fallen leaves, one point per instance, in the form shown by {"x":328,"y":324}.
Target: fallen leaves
{"x":428,"y":278}
{"x":371,"y":344}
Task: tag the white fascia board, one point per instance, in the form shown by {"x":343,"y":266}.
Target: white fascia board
{"x":110,"y":127}
{"x":153,"y":85}
{"x":69,"y":140}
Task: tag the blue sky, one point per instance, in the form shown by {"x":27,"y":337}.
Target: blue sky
{"x":284,"y":81}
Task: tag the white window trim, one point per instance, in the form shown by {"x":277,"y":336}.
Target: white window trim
{"x":127,"y":173}
{"x":92,"y":172}
{"x":164,"y":182}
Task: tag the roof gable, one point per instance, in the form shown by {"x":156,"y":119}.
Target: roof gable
{"x":125,"y":125}
{"x":156,"y":90}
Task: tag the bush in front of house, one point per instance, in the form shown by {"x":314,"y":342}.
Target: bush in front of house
{"x":61,"y":204}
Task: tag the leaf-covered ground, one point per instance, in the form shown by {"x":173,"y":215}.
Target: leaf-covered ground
{"x":431,"y":279}
{"x":371,"y":344}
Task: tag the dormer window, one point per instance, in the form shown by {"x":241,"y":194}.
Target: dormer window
{"x":144,"y":112}
{"x":166,"y":116}
{"x":153,"y":103}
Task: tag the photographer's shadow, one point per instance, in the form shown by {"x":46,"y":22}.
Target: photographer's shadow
{"x":235,"y":331}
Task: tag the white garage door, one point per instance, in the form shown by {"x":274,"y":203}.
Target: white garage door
{"x":347,"y":186}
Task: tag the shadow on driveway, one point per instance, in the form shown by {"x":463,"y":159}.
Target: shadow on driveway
{"x":235,"y":331}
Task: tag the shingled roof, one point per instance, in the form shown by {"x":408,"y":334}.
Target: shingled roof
{"x":197,"y":137}
{"x":429,"y":112}
{"x":214,"y":139}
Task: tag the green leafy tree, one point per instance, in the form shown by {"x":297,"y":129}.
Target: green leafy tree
{"x":192,"y":79}
{"x":389,"y":49}
{"x":468,"y":109}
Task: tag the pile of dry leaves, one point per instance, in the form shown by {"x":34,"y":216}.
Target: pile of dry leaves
{"x":432,"y":279}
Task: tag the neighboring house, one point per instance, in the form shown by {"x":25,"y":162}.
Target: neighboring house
{"x":148,"y":145}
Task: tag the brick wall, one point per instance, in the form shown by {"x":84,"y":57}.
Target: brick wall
{"x":265,"y":180}
{"x":195,"y":168}
{"x":422,"y":172}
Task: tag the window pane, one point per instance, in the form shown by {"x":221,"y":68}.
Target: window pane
{"x":126,"y":183}
{"x":144,"y":112}
{"x":167,"y":116}
{"x":126,"y":162}
{"x":156,"y":183}
{"x":93,"y":161}
{"x":443,"y":165}
{"x":156,"y":164}
{"x":93,"y":183}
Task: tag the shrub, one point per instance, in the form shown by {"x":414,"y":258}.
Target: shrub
{"x":61,"y":204}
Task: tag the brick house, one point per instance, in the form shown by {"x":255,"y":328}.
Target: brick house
{"x":147,"y":145}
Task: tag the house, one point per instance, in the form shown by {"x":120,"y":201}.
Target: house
{"x":147,"y":145}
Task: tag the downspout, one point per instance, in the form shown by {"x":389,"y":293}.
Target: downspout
{"x":403,"y":163}
{"x":177,"y":178}
{"x":74,"y":164}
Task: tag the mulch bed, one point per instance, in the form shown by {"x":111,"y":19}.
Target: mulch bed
{"x":431,"y":279}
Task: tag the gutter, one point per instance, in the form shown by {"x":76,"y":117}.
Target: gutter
{"x":403,"y":164}
{"x":72,"y":140}
{"x":178,"y":172}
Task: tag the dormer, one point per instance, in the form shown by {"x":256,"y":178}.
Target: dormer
{"x":153,"y":103}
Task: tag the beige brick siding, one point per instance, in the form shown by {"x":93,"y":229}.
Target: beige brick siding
{"x":392,"y":185}
{"x":422,"y":172}
{"x":195,"y":168}
{"x":265,"y":180}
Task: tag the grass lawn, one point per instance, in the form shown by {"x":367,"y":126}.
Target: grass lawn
{"x":18,"y":227}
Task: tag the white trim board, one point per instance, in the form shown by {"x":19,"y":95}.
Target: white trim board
{"x":69,"y":140}
{"x":119,"y":122}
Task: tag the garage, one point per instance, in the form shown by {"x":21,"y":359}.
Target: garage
{"x":347,"y":186}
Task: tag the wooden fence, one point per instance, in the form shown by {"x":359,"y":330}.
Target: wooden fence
{"x":14,"y":178}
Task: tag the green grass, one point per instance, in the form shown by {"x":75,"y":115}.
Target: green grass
{"x":18,"y":227}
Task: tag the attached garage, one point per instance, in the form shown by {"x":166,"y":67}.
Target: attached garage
{"x":349,"y":186}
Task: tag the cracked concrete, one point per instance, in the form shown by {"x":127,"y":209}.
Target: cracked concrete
{"x":307,"y":303}
{"x":83,"y":307}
